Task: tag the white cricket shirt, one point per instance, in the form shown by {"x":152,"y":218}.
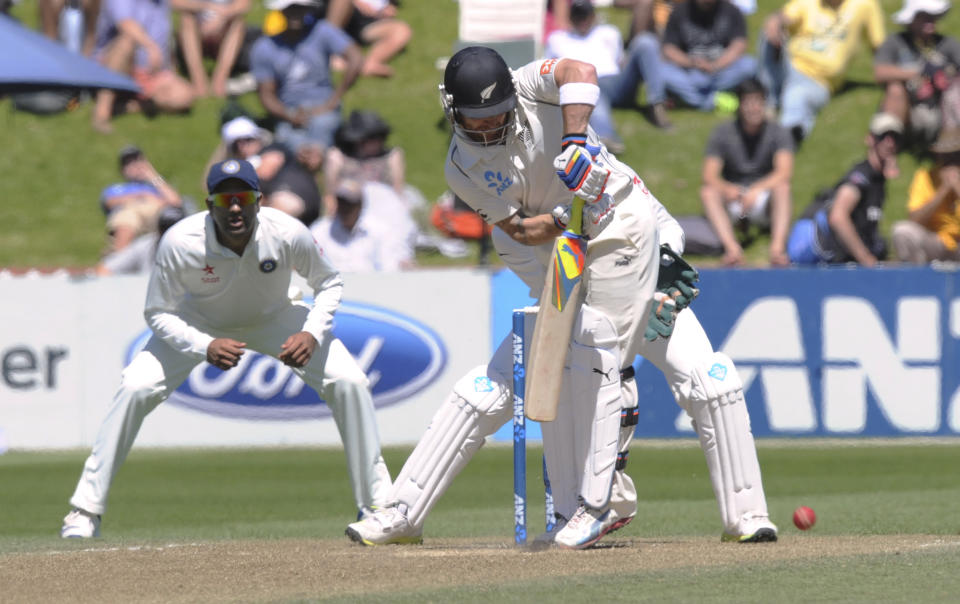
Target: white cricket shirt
{"x":198,"y":283}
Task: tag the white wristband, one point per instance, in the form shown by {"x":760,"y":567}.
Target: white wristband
{"x":579,"y":93}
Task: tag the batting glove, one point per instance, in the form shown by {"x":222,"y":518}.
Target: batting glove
{"x":561,"y":216}
{"x":578,"y":170}
{"x":677,"y":278}
{"x":663,"y":314}
{"x":597,"y":216}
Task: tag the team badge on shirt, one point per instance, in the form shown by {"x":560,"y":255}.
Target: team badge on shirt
{"x":497,"y":181}
{"x":209,"y":276}
{"x":268,"y":265}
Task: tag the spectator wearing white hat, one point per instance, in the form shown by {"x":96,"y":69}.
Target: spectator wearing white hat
{"x":292,"y":70}
{"x":916,"y":66}
{"x":286,"y":182}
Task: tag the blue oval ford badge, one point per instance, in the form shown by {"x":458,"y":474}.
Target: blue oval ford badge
{"x":399,"y":355}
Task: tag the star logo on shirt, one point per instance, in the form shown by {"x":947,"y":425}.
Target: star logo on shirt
{"x":208,"y":269}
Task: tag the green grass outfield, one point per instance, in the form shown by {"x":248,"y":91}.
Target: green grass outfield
{"x":861,"y":490}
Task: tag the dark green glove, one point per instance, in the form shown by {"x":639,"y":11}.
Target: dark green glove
{"x":677,"y":278}
{"x":663,"y":313}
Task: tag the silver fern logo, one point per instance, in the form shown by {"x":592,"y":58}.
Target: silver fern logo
{"x":486,"y":92}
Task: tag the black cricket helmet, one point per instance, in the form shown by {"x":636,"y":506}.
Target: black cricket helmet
{"x":477,"y":84}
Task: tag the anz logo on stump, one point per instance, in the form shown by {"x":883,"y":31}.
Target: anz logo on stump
{"x":400,"y":356}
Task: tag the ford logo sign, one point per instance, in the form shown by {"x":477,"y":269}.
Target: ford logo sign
{"x":400,"y":356}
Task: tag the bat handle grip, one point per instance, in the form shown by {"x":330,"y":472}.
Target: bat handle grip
{"x":575,"y":226}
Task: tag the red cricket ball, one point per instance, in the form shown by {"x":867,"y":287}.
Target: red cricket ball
{"x":804,"y":518}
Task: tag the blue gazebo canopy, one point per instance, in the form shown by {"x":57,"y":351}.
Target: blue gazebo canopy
{"x":29,"y":60}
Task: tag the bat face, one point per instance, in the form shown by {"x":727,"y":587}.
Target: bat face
{"x":568,"y":260}
{"x":559,"y":306}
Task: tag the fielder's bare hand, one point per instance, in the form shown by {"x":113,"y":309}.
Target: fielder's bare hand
{"x":298,"y":349}
{"x":225,"y":353}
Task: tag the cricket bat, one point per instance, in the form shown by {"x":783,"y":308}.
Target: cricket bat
{"x":559,"y":306}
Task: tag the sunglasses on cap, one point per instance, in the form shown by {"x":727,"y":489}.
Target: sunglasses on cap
{"x":241,"y":198}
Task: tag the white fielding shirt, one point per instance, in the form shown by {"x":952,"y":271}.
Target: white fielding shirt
{"x":198,"y":284}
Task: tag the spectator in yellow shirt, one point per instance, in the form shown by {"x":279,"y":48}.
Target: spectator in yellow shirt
{"x":805,"y":49}
{"x":932,"y":229}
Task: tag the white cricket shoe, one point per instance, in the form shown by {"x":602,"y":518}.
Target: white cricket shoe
{"x":80,"y":524}
{"x":753,"y":529}
{"x":587,"y":527}
{"x":383,"y":527}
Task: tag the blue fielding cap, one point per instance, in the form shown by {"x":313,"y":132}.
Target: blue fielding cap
{"x":232,"y":168}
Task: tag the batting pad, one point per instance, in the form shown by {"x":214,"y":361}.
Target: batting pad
{"x":474,"y":410}
{"x":720,"y":419}
{"x":581,"y":445}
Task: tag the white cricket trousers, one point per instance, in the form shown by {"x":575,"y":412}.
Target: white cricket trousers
{"x":156,"y":371}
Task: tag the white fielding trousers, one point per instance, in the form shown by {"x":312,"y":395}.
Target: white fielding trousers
{"x":156,"y":371}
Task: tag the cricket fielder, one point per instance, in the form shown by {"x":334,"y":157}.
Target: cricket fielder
{"x":480,"y":403}
{"x":219,"y":285}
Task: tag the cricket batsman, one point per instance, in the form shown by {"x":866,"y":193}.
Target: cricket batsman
{"x":521,"y":150}
{"x":220,"y":285}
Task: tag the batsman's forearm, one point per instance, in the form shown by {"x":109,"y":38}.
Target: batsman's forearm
{"x":531,"y":231}
{"x":576,"y":117}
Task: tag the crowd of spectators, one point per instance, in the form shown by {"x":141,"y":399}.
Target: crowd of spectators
{"x":802,"y":60}
{"x":337,"y":173}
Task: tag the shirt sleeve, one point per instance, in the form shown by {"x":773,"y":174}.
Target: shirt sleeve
{"x":738,"y":23}
{"x":118,"y":10}
{"x":312,"y":265}
{"x":951,"y":49}
{"x":715,"y":146}
{"x":876,"y":30}
{"x":921,"y":190}
{"x":794,"y":11}
{"x":164,"y":293}
{"x":857,"y":178}
{"x":537,"y":81}
{"x":783,"y":140}
{"x":673,"y":33}
{"x":260,"y":64}
{"x":335,"y":40}
{"x":887,"y":52}
{"x":669,"y":230}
